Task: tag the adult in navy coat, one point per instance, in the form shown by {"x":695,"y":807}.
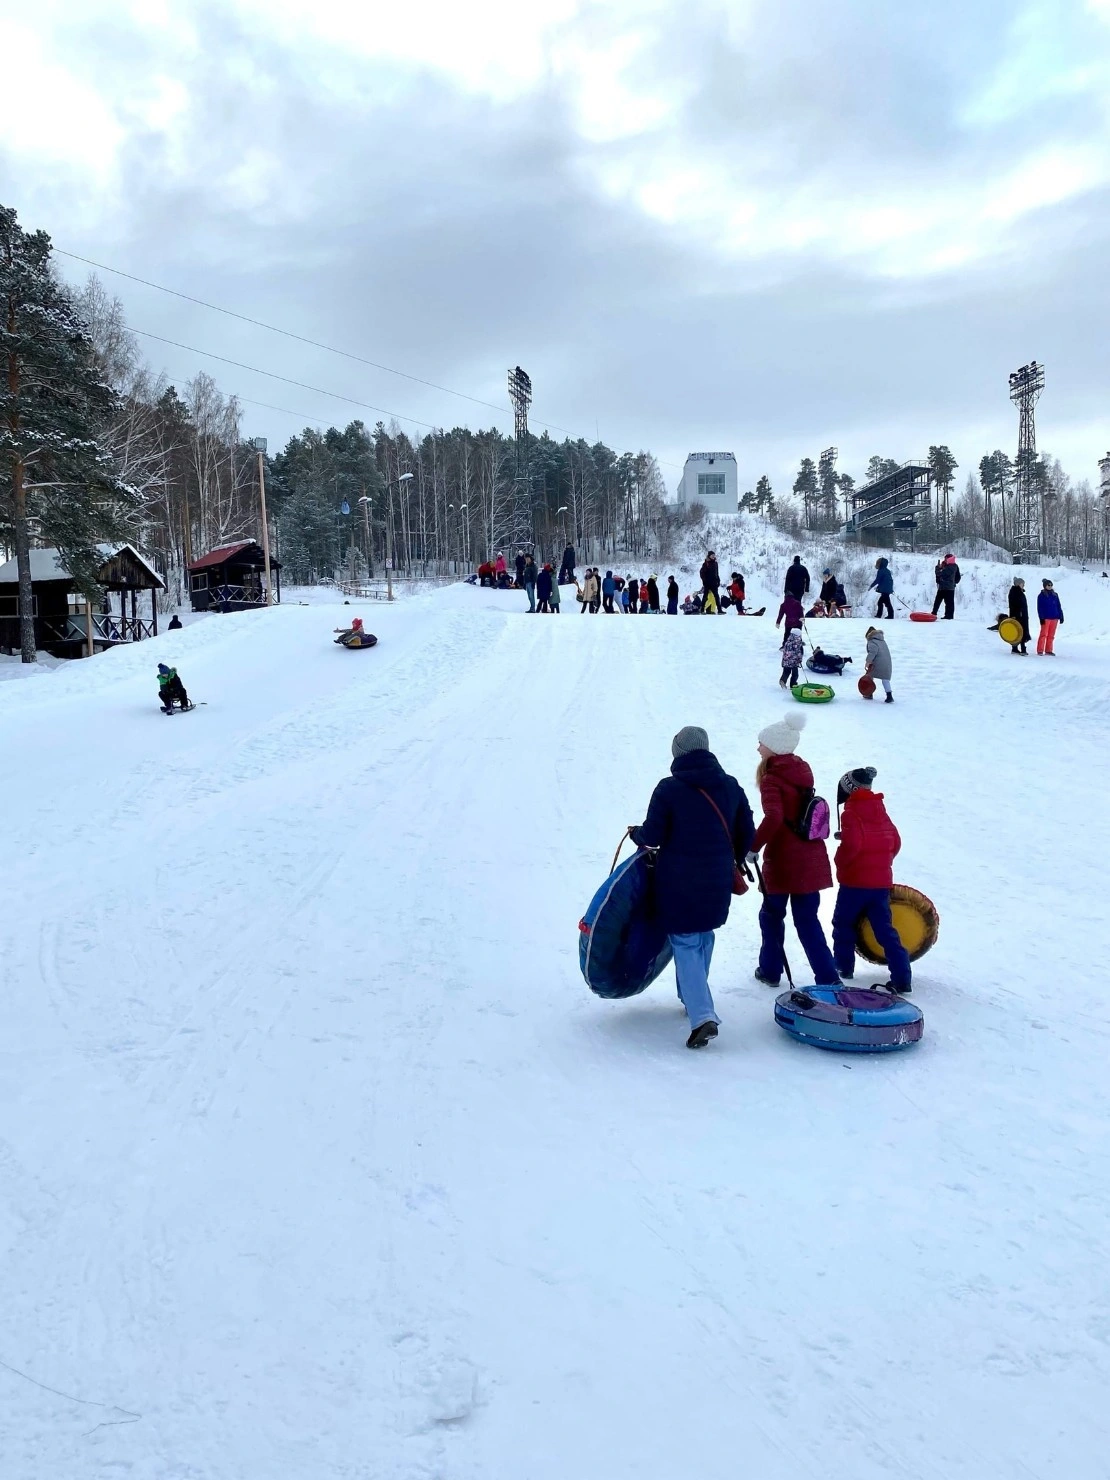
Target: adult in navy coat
{"x":797,"y":579}
{"x":700,"y":821}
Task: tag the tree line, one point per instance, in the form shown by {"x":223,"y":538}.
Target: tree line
{"x":1074,"y":518}
{"x":96,"y":447}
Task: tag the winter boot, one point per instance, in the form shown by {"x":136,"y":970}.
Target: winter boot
{"x":890,"y":987}
{"x":889,"y":699}
{"x":701,"y":1036}
{"x":768,"y":981}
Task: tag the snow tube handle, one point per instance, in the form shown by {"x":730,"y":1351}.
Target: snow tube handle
{"x":617,"y":854}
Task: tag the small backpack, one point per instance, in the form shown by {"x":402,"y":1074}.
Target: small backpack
{"x":812,"y":825}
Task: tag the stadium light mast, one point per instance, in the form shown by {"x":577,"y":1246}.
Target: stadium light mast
{"x":520,"y":394}
{"x":1026,"y":386}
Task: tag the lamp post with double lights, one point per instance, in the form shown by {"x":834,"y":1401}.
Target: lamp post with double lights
{"x":464,"y":538}
{"x":260,"y":448}
{"x":404,"y":478}
{"x":366,"y":501}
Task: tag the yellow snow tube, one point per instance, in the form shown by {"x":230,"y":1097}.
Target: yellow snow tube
{"x":1009,"y":629}
{"x":915,"y":918}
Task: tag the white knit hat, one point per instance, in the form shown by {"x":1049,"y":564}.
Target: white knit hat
{"x":782,"y":739}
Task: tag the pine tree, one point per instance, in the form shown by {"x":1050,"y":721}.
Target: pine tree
{"x":847,"y":486}
{"x":826,"y":474}
{"x":880,"y":467}
{"x":942,"y":465}
{"x":805,"y":485}
{"x":52,"y":468}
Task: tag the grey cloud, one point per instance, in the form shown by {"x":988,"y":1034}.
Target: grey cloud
{"x":451,"y":236}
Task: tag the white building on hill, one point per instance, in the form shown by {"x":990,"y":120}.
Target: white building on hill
{"x":709,"y":478}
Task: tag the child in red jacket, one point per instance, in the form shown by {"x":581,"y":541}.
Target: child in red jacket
{"x":869,"y":843}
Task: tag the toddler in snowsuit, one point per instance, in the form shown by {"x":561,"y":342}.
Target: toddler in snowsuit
{"x":170,"y":689}
{"x":793,"y":653}
{"x":869,"y":844}
{"x":880,"y":665}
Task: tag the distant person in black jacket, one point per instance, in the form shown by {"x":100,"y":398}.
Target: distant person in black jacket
{"x":544,"y":582}
{"x":797,"y":579}
{"x":711,"y":578}
{"x":828,"y":592}
{"x":947,"y":574}
{"x":1019,"y":610}
{"x":700,"y":821}
{"x":566,"y":570}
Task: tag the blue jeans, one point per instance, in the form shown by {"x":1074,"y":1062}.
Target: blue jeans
{"x":772,"y":924}
{"x":851,"y":905}
{"x":531,"y":590}
{"x":692,"y":955}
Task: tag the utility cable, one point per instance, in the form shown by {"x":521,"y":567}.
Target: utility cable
{"x":304,"y":339}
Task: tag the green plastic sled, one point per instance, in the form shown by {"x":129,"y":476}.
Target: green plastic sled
{"x":813,"y":693}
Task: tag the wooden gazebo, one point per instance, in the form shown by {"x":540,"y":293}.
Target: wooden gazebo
{"x":61,"y":613}
{"x":230,"y":579}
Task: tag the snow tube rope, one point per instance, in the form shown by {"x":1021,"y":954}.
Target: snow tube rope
{"x":916,"y":920}
{"x":849,"y":1019}
{"x":813,"y":693}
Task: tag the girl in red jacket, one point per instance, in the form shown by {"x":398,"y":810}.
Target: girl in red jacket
{"x":794,"y":870}
{"x":869,"y":844}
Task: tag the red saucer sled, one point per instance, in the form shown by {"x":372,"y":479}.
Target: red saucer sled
{"x":923,"y":616}
{"x":866,"y":685}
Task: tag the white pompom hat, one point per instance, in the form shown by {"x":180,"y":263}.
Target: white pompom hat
{"x":782,"y":739}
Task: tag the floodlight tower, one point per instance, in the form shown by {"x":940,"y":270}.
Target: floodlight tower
{"x":1026,"y":386}
{"x":520,"y":394}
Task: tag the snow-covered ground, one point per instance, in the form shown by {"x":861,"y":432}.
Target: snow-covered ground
{"x":320,"y":1161}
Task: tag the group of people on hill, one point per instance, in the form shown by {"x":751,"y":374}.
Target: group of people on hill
{"x":700,"y":826}
{"x":1050,"y":615}
{"x":629,"y":594}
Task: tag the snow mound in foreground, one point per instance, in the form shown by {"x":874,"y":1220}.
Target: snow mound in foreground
{"x":320,"y":1161}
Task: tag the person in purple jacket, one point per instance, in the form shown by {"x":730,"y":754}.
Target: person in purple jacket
{"x":791,"y":610}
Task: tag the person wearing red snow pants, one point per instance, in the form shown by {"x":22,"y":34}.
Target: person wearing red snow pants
{"x":869,"y":844}
{"x":1051,"y":614}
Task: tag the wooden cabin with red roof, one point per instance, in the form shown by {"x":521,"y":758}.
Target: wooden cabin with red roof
{"x":232,"y":579}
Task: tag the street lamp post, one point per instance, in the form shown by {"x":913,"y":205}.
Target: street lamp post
{"x":404,"y":478}
{"x":366,"y":501}
{"x":260,"y":448}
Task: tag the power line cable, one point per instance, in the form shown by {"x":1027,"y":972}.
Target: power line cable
{"x":303,"y":339}
{"x":285,"y":379}
{"x":300,"y":338}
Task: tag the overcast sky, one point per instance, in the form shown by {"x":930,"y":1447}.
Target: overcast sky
{"x":764,"y":226}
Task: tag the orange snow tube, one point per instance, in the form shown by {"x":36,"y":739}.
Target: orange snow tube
{"x":915,"y":918}
{"x":923,"y":616}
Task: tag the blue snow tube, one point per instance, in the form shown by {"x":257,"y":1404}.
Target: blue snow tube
{"x":850,"y":1019}
{"x":622,"y":947}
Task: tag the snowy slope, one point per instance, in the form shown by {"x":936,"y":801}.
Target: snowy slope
{"x":749,"y":544}
{"x":320,"y":1161}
